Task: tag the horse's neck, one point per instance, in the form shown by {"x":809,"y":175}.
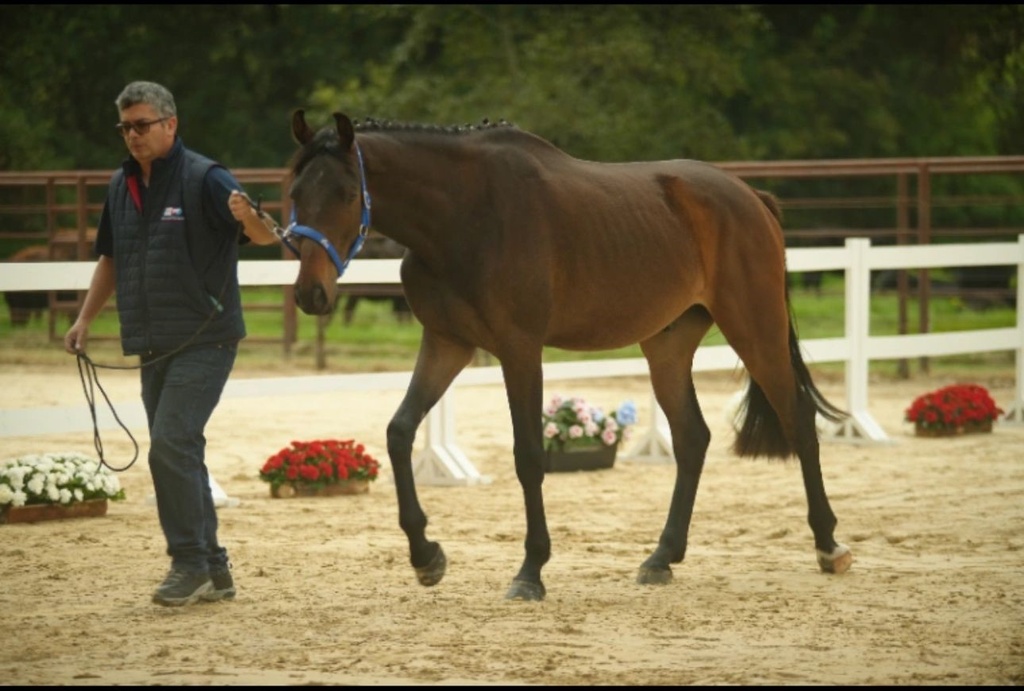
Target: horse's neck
{"x":418,"y":188}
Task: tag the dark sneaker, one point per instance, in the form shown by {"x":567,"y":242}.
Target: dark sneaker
{"x":223,"y":585}
{"x":182,"y":588}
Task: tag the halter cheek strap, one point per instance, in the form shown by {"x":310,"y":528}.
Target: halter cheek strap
{"x":294,"y":228}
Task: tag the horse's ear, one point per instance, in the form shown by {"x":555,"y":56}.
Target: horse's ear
{"x":346,"y":133}
{"x":300,"y":130}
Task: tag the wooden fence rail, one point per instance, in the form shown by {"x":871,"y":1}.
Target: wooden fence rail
{"x":441,"y":461}
{"x":42,"y":206}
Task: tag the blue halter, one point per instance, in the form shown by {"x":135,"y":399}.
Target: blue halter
{"x":305,"y":231}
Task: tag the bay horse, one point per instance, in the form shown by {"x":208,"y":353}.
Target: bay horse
{"x":513,"y":245}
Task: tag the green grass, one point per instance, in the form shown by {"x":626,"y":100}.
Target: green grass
{"x":377,"y":341}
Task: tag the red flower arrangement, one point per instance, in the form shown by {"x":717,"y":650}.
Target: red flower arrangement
{"x":317,"y":464}
{"x":954,"y":410}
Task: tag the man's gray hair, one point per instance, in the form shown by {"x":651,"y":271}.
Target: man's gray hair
{"x":148,"y":93}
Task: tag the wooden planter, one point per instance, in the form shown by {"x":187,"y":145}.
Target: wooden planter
{"x":969,"y":428}
{"x":34,"y":513}
{"x":585,"y":458}
{"x":298,"y":489}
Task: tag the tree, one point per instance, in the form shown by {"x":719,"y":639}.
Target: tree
{"x":605,"y":82}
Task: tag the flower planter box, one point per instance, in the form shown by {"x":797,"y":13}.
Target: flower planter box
{"x":581,"y":458}
{"x":580,"y":436}
{"x":969,"y":428}
{"x":969,"y":408}
{"x":320,"y":468}
{"x":33,"y":513}
{"x":298,"y":489}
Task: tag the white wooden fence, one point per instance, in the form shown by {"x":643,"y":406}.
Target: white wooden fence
{"x":441,"y":461}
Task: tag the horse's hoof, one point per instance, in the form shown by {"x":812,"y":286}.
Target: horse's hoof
{"x":839,"y":561}
{"x":525,"y":590}
{"x":654,"y":576}
{"x":432,"y":573}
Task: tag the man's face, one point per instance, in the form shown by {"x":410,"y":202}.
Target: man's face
{"x":158,"y":137}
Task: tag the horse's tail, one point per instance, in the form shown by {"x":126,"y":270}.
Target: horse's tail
{"x":761,"y":433}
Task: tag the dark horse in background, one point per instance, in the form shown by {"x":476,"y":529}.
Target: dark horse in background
{"x":513,"y":245}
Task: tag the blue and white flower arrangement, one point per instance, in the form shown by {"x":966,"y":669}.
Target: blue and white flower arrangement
{"x":571,"y":422}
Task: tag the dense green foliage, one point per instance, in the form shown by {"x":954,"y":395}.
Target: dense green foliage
{"x":604,"y":82}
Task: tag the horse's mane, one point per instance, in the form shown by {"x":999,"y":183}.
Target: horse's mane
{"x":326,"y":139}
{"x":374,"y":125}
{"x":502,"y":131}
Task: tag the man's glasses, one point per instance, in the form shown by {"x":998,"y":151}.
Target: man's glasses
{"x":141,"y":127}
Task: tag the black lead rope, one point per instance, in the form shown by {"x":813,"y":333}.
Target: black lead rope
{"x":87,"y":373}
{"x":90,"y":380}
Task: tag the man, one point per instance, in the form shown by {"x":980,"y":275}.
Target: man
{"x":167,"y":244}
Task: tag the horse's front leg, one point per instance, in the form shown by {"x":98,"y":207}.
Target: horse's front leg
{"x":524,"y":384}
{"x":438,"y":363}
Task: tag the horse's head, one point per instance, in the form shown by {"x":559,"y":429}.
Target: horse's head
{"x":330,"y":209}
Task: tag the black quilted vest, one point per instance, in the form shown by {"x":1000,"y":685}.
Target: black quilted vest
{"x":167,"y":298}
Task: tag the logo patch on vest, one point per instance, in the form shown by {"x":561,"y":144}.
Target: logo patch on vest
{"x":173,"y":213}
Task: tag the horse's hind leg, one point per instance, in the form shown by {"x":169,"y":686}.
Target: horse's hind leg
{"x":832,"y":556}
{"x":438,"y":363}
{"x":670,"y":358}
{"x":781,"y":405}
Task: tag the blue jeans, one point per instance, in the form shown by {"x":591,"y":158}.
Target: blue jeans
{"x":180,"y":393}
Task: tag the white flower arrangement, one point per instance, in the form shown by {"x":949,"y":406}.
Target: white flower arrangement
{"x":56,"y":478}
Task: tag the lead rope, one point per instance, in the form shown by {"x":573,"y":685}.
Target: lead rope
{"x":87,"y":368}
{"x":87,"y":373}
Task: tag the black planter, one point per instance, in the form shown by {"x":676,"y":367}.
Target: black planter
{"x":586,"y":458}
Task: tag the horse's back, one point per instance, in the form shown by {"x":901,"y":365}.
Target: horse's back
{"x":685,"y":188}
{"x":667,"y":212}
{"x":649,"y":240}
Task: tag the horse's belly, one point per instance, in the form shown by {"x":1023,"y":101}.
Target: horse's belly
{"x":607,"y":331}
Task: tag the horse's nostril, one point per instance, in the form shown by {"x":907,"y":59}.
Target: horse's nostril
{"x":312,"y":299}
{"x":320,"y":300}
{"x":306,"y":300}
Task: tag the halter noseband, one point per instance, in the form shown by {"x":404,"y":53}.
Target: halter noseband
{"x":294,"y":228}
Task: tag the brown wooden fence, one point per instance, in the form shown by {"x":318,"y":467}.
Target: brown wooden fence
{"x":897,"y":201}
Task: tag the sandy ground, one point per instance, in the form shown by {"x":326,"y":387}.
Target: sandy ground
{"x":327,"y":596}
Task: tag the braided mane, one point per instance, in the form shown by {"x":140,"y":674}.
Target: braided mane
{"x":326,"y":140}
{"x":374,"y":125}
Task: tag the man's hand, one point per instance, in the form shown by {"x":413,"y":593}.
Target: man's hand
{"x":259,"y":226}
{"x":76,"y":337}
{"x":241,"y":207}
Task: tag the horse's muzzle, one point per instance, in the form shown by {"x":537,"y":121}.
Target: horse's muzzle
{"x":313,"y":299}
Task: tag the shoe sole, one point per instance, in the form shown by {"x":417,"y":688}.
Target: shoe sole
{"x":218,"y":595}
{"x":182,"y":601}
